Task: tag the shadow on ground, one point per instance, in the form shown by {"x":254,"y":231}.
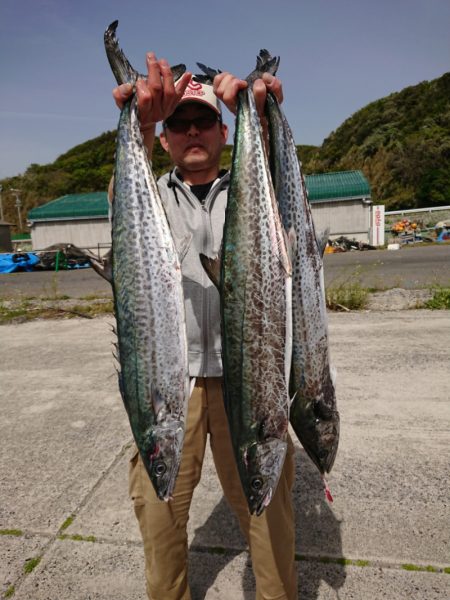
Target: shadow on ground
{"x":318,"y":534}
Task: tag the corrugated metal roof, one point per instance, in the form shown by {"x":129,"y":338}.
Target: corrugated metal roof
{"x":338,"y":185}
{"x":72,"y":206}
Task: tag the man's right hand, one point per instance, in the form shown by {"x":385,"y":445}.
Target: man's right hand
{"x":157,"y":95}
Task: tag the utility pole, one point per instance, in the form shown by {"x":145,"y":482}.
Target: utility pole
{"x":18,"y":205}
{"x":2,"y":218}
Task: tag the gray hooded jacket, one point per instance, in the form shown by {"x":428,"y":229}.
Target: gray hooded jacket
{"x":203,"y":224}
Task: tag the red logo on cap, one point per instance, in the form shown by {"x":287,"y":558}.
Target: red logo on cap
{"x":194,"y":89}
{"x":194,"y":85}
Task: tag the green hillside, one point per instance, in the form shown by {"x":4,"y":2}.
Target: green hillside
{"x":401,"y":143}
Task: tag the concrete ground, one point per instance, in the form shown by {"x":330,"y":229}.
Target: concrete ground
{"x":65,"y":444}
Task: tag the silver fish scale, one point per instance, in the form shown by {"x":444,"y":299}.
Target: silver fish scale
{"x":148,"y":297}
{"x":256,"y":278}
{"x":311,"y":374}
{"x":310,"y":337}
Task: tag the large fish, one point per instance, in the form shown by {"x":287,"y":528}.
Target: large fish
{"x":148,"y":298}
{"x":254,"y":280}
{"x":314,"y":416}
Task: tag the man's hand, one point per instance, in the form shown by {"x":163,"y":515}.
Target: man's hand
{"x":226,"y":87}
{"x":157,"y":95}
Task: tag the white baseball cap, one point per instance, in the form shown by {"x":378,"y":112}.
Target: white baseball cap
{"x":202,"y":93}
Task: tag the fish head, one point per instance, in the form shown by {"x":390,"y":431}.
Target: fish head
{"x":264,"y":462}
{"x":317,"y":426}
{"x":162,"y":457}
{"x":325,"y":437}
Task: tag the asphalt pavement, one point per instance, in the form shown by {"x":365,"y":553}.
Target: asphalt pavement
{"x":68,"y":528}
{"x":409,"y":268}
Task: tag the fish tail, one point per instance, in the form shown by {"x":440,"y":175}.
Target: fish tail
{"x":120,"y":65}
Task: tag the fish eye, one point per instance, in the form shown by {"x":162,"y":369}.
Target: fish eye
{"x":159,"y":468}
{"x":257,"y":483}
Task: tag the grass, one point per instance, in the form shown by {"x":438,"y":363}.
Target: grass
{"x":16,"y":532}
{"x":10,"y":591}
{"x":77,"y":537}
{"x":328,"y":560}
{"x":26,"y":310}
{"x":67,"y":523}
{"x":350,"y":295}
{"x":31,"y":564}
{"x":411,"y":567}
{"x":440,"y":299}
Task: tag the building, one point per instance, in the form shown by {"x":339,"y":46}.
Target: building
{"x":78,"y":219}
{"x":339,"y":201}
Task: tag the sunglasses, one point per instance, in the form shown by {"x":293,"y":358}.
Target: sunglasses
{"x":203,"y":123}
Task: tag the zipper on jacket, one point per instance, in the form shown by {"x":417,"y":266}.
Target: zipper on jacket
{"x":208,"y":238}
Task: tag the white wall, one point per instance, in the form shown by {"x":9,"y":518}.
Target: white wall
{"x":83,"y":233}
{"x":350,"y":218}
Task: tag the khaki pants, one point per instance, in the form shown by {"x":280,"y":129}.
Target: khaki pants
{"x":163,"y":524}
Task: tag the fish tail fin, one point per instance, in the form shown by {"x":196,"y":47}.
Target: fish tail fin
{"x":266,"y":63}
{"x":208,"y":76}
{"x":178,"y":70}
{"x":120,"y":65}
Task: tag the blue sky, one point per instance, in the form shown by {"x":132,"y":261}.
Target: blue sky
{"x":336,"y":57}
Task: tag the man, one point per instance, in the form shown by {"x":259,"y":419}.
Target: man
{"x":194,"y":195}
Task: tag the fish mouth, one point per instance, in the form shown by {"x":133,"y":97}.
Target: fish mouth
{"x":264,"y":503}
{"x":166,"y":493}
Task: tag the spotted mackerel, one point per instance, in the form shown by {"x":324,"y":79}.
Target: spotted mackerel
{"x":254,"y":280}
{"x":314,"y":416}
{"x":148,"y":297}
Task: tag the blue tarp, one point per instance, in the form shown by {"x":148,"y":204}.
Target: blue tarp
{"x":23,"y":261}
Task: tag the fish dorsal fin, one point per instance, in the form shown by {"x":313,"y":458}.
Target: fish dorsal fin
{"x":322,"y":240}
{"x":212,"y":267}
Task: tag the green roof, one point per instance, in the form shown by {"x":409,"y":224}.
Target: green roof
{"x":341,"y":185}
{"x":72,"y":206}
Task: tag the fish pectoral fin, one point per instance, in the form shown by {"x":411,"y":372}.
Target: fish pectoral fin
{"x":183,"y":246}
{"x":286,"y":257}
{"x":291,"y":243}
{"x":322,"y":240}
{"x":157,"y":402}
{"x":212,"y":268}
{"x":333,"y":374}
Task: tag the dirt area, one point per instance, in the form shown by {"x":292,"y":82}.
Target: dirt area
{"x":19,"y":310}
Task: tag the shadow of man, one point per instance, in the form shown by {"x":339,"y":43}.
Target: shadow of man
{"x":215,"y":544}
{"x":318,"y":532}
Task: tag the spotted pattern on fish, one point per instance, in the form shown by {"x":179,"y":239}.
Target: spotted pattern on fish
{"x":314,"y":415}
{"x":149,"y":304}
{"x":256,"y":309}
